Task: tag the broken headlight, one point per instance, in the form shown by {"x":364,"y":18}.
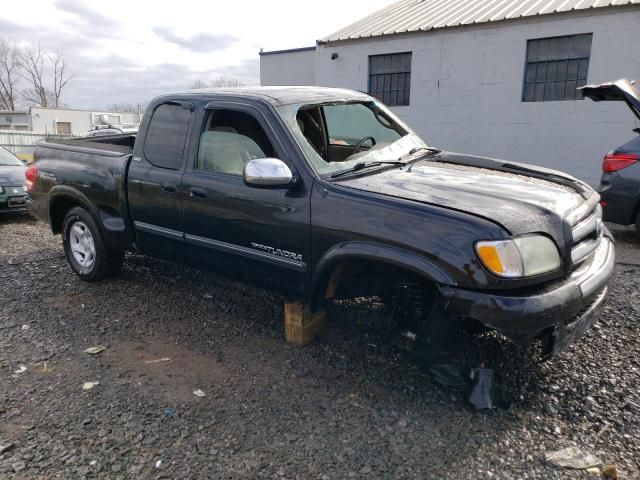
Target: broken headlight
{"x":519,"y":257}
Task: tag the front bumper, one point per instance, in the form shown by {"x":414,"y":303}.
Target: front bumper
{"x":559,"y":313}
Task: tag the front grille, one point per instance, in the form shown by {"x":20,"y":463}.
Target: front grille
{"x":585,"y":235}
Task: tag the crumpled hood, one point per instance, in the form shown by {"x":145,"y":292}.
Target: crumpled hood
{"x":12,"y":176}
{"x":518,"y":202}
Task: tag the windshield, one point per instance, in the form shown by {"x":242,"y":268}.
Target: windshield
{"x":7,"y":159}
{"x":336,"y":136}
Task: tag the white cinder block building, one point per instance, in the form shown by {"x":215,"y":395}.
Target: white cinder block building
{"x":64,"y":121}
{"x":488,"y":77}
{"x":296,"y":66}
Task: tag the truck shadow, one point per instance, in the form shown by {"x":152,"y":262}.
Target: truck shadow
{"x":16,"y":218}
{"x":358,"y":341}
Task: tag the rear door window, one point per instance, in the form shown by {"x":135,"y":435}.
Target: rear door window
{"x":166,"y":136}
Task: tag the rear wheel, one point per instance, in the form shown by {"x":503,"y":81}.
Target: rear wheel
{"x":85,"y":250}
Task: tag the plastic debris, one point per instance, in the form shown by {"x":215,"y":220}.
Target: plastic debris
{"x":207,"y":296}
{"x":447,"y":375}
{"x":594,"y":471}
{"x":25,"y":327}
{"x":93,"y":463}
{"x":158,"y":463}
{"x":198,"y":393}
{"x":89,"y":385}
{"x":95,"y":350}
{"x":444,"y":369}
{"x":20,"y":369}
{"x":481,"y":395}
{"x":573,"y":457}
{"x":157,"y":360}
{"x":169,"y":411}
{"x":610,"y":472}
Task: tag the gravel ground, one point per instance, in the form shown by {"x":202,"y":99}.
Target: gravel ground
{"x":348,"y":406}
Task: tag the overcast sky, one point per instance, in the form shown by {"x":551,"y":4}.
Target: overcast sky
{"x":129,"y":51}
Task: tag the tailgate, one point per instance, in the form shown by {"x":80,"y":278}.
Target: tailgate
{"x":618,"y":91}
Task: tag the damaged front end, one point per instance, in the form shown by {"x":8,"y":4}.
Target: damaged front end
{"x":557,"y":314}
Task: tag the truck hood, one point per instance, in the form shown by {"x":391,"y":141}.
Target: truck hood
{"x":12,"y":176}
{"x":618,"y":91}
{"x":539,"y":200}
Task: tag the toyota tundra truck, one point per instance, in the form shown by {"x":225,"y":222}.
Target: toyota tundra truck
{"x":323,"y":193}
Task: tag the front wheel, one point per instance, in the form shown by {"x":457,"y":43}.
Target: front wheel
{"x":85,"y":250}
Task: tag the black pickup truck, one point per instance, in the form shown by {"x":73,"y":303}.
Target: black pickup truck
{"x":323,"y":193}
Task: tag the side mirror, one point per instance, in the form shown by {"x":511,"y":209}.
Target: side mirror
{"x":267,"y":172}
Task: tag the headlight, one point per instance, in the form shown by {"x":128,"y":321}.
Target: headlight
{"x":519,"y":257}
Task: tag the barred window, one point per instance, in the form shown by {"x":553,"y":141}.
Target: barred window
{"x":556,"y":67}
{"x":390,"y":78}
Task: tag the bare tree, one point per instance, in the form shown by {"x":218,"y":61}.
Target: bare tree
{"x":123,"y":108}
{"x":217,"y":82}
{"x":226,"y":82}
{"x":198,"y":84}
{"x":33,"y":62}
{"x":9,"y":65}
{"x":60,"y":75}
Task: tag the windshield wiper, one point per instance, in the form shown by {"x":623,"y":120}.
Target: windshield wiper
{"x":362,"y":165}
{"x":413,"y":151}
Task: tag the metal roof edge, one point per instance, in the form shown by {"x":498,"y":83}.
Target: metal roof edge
{"x":288,"y":50}
{"x":586,"y":11}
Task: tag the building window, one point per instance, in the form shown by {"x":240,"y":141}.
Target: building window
{"x":556,"y":67}
{"x":390,"y":78}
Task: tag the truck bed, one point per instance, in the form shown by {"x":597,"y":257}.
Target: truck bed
{"x":81,"y":169}
{"x":112,"y":143}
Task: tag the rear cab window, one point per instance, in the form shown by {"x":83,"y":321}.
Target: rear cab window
{"x":166,"y":136}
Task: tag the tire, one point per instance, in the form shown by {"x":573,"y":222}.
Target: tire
{"x":637,"y":225}
{"x":85,"y":249}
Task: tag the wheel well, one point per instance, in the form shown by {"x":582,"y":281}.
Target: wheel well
{"x":361,"y":278}
{"x":58,"y":210}
{"x":410,"y":298}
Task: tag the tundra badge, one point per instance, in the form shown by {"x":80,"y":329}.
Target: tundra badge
{"x":277,"y":251}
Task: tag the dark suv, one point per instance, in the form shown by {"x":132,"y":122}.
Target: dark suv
{"x":620,"y":183}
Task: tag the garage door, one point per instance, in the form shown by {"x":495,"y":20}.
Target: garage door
{"x":63,"y":128}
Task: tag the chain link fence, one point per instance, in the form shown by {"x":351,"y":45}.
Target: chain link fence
{"x":22,"y":144}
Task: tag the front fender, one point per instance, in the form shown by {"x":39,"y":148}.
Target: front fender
{"x":393,"y":256}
